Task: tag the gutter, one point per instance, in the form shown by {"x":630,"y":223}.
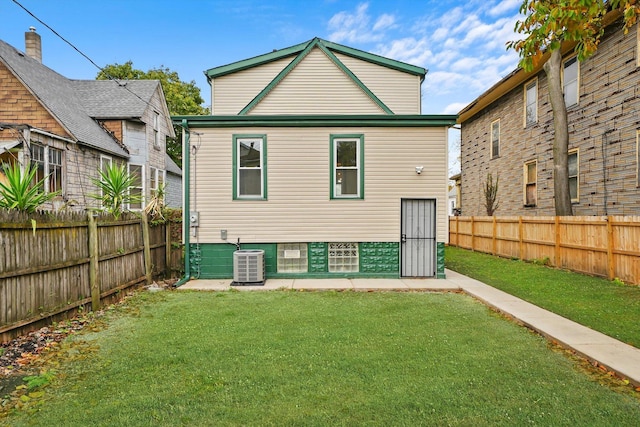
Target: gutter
{"x":186,"y":202}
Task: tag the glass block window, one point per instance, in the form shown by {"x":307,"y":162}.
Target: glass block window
{"x":292,"y":258}
{"x":343,"y":258}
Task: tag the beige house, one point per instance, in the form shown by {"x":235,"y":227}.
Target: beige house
{"x":508,"y":132}
{"x":318,"y":155}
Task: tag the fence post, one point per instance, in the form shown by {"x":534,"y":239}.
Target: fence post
{"x":167,"y":249}
{"x":472,"y":235}
{"x":93,"y":262}
{"x":494,"y":236}
{"x":520,"y":239}
{"x":556,"y":254}
{"x":147,"y":250}
{"x":610,"y":264}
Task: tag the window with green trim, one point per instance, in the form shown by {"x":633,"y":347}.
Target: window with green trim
{"x":347,"y":166}
{"x":250,"y":167}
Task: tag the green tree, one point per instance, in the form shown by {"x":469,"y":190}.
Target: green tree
{"x":183,"y":98}
{"x":550,"y":26}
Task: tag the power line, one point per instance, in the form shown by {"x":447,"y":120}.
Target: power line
{"x":109,"y":77}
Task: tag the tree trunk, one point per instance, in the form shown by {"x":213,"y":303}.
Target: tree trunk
{"x":561,"y":190}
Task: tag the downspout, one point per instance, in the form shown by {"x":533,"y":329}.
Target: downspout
{"x":186,"y":202}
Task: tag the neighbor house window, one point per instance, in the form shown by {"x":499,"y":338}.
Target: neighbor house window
{"x":531,"y":103}
{"x":574,"y":172}
{"x":136,"y":190}
{"x":156,"y":179}
{"x":347,"y":167}
{"x":343,"y":258}
{"x":156,"y":132}
{"x":495,"y":139}
{"x":250,"y":167}
{"x":530,"y":183}
{"x":292,"y":258}
{"x":48,"y":163}
{"x":570,"y":81}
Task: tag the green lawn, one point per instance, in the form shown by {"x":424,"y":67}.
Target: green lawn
{"x":319,"y":359}
{"x":603,"y":305}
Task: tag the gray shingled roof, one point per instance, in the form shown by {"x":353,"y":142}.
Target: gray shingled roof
{"x":57,"y":94}
{"x":108,"y":99}
{"x":171,"y":166}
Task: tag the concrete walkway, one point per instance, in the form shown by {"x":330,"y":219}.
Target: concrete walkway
{"x":616,"y":356}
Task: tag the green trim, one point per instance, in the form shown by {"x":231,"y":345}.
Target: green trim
{"x":353,"y":77}
{"x":186,"y":206}
{"x":376,"y":120}
{"x":263,"y":161}
{"x":296,"y":49}
{"x":281,"y":75}
{"x":332,"y":166}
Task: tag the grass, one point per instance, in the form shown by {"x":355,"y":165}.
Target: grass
{"x":317,"y":359}
{"x":606,"y":306}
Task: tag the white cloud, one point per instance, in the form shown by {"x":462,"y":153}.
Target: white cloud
{"x":355,"y":27}
{"x":453,"y":108}
{"x":384,"y":22}
{"x":504,"y":6}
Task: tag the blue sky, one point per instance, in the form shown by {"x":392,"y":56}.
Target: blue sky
{"x":461,"y":43}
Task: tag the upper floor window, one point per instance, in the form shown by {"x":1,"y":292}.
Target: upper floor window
{"x":574,"y":173}
{"x":156,"y":132}
{"x":531,"y":103}
{"x":495,"y":139}
{"x":530,"y":183}
{"x":250,"y":167}
{"x":570,"y":73}
{"x":48,"y":161}
{"x":347,"y":165}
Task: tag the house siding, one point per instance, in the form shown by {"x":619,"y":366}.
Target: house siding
{"x":316,"y":86}
{"x":602,"y":127}
{"x":397,"y":90}
{"x":18,"y":105}
{"x":232,"y":92}
{"x":299,"y":159}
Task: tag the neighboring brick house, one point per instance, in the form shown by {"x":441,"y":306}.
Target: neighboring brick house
{"x":72,"y":128}
{"x":508,"y":132}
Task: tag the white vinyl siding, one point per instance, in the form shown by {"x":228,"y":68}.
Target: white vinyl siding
{"x":231,"y":93}
{"x":299,"y":208}
{"x":398,"y":90}
{"x":316,"y":86}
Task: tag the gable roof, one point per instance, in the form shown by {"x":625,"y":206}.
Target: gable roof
{"x":171,"y":166}
{"x":297,"y":54}
{"x":56,"y":93}
{"x":110,"y":99}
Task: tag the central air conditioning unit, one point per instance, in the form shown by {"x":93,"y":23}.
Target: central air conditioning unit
{"x":248,"y":267}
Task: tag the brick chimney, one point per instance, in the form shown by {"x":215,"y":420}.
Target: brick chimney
{"x":33,"y":44}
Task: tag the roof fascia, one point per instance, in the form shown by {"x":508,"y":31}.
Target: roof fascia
{"x":234,"y":67}
{"x":281,"y":75}
{"x":379,"y":120}
{"x":377,"y":59}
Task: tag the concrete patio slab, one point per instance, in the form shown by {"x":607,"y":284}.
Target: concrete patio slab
{"x":320,"y":284}
{"x":207,"y":285}
{"x":430,"y":284}
{"x":377,"y":284}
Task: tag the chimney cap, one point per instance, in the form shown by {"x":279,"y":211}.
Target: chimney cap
{"x":32,"y":29}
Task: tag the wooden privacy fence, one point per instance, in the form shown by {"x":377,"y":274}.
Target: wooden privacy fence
{"x":607,"y":246}
{"x":65,"y":264}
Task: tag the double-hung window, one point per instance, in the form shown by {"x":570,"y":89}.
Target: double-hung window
{"x":495,"y":139}
{"x":347,"y":167}
{"x":48,"y":161}
{"x":531,"y":103}
{"x":574,"y":172}
{"x":250,"y":167}
{"x":570,"y":71}
{"x":156,"y":130}
{"x":530,"y":184}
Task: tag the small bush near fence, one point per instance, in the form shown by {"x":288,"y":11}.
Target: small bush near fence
{"x":54,"y":264}
{"x":606,"y":246}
